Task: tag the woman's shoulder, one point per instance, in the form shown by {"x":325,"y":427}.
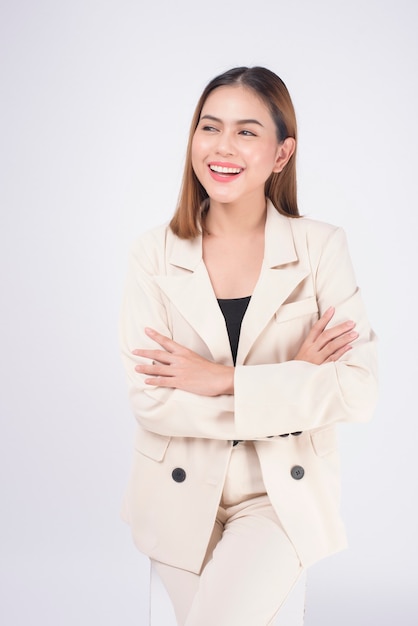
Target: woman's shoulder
{"x":157,"y":246}
{"x":304,"y":226}
{"x":153,"y":233}
{"x":314,"y":227}
{"x":147,"y":250}
{"x":313,"y":238}
{"x":316,"y":234}
{"x":154,"y":237}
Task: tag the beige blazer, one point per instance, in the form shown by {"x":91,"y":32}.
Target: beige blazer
{"x":183,"y":440}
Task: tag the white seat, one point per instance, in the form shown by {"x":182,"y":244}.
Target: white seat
{"x":162,"y":613}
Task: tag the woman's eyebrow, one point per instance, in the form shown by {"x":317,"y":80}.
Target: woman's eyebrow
{"x":217,"y":119}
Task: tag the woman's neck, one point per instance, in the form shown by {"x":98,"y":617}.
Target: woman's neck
{"x":234,"y":219}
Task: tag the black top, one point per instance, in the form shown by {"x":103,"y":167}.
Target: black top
{"x":233,"y":311}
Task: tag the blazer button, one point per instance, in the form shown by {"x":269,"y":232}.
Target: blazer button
{"x":297,"y":472}
{"x":178,"y":474}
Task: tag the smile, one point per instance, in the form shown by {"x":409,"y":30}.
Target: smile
{"x":225,"y":170}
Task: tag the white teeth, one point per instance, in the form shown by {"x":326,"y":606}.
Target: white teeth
{"x":225,"y":170}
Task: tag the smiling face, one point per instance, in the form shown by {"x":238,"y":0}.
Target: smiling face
{"x":235,"y":146}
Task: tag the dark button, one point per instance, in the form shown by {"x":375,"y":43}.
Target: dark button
{"x":284,"y":435}
{"x":178,"y":474}
{"x":297,"y":433}
{"x":297,"y":472}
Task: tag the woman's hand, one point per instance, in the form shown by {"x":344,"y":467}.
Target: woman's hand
{"x":325,"y":345}
{"x":178,"y":367}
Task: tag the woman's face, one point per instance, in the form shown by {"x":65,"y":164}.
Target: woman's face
{"x":235,"y":147}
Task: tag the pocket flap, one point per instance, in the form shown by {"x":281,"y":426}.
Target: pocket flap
{"x":151,"y":445}
{"x":324,"y":441}
{"x":291,"y":310}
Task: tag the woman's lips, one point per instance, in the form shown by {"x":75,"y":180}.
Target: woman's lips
{"x":225,"y":172}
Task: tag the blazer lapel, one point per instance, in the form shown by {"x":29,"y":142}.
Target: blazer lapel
{"x":280,"y":275}
{"x":187,"y":285}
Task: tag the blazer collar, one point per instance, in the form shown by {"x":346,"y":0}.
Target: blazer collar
{"x":190,"y":290}
{"x":279,"y":245}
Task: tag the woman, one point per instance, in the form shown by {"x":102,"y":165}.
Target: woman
{"x":245,"y":342}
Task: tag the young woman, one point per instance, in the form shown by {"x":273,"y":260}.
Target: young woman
{"x":245,"y":342}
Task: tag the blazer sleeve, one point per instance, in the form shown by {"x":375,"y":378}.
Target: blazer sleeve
{"x":171,"y":412}
{"x":296,"y":395}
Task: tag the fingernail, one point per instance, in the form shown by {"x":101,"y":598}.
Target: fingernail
{"x":353,"y":335}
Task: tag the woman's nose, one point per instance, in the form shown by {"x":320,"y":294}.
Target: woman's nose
{"x":225,"y":144}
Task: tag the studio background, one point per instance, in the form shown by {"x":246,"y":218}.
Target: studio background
{"x":96,"y":101}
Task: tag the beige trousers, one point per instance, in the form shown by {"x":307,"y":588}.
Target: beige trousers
{"x":250,"y":565}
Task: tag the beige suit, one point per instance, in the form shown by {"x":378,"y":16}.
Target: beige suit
{"x":306,"y":269}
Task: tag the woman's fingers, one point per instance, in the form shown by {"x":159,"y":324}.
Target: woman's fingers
{"x":319,"y":326}
{"x":324,"y":344}
{"x":165,"y":342}
{"x":338,"y":354}
{"x":335,"y":333}
{"x":338,"y":345}
{"x":176,"y":366}
{"x":318,"y":331}
{"x":160,"y":356}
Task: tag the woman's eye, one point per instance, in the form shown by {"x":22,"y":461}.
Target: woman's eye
{"x":210,"y":129}
{"x":247,"y":133}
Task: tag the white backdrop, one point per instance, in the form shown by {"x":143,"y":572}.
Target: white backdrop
{"x":96,"y":99}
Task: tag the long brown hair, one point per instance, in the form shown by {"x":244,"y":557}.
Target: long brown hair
{"x":280,"y":187}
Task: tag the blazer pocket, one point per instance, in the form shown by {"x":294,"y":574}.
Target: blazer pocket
{"x":324,"y":441}
{"x":299,"y":308}
{"x":151,"y":445}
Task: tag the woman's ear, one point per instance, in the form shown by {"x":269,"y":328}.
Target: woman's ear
{"x":284,"y":152}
